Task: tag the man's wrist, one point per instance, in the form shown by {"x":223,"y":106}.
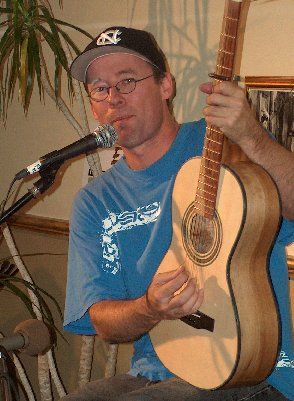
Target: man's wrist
{"x":147,"y":310}
{"x":255,"y":142}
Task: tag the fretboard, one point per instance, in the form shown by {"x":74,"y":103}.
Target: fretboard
{"x":206,"y":194}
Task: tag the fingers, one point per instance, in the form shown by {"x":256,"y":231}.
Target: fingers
{"x":223,"y":88}
{"x":206,"y":87}
{"x":174,"y":284}
{"x":226,"y":101}
{"x":228,"y":89}
{"x":164,"y":285}
{"x":228,"y":109}
{"x":173,"y":295}
{"x":227,"y":98}
{"x":188,"y":300}
{"x":162,"y":278}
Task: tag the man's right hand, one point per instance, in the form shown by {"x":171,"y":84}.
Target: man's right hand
{"x":170,"y":295}
{"x":173,"y":294}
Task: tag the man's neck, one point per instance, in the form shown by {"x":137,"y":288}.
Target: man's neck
{"x":149,"y":152}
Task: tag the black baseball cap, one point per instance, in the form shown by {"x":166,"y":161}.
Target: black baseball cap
{"x":119,"y":39}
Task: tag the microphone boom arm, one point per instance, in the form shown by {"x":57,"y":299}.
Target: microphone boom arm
{"x":47,"y":179}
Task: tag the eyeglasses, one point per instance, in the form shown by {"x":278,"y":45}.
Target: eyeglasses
{"x":124,"y":86}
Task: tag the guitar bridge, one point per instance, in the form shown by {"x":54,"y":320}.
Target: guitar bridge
{"x":199,"y":320}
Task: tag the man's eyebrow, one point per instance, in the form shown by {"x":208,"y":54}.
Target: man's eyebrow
{"x":118,"y":74}
{"x":128,"y":71}
{"x":94,"y":81}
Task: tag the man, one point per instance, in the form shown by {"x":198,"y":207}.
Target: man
{"x":121,"y":222}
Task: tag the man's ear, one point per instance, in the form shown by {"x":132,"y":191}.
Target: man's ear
{"x":167,"y":86}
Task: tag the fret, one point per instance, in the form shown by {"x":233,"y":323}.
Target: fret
{"x":214,"y":178}
{"x":226,"y":51}
{"x":214,"y":141}
{"x":205,"y":183}
{"x":215,"y":146}
{"x":203,"y":206}
{"x":208,"y":176}
{"x":232,"y":19}
{"x":214,"y":130}
{"x":222,"y":66}
{"x":211,"y":169}
{"x":197,"y":208}
{"x":203,"y":212}
{"x":212,"y":151}
{"x":207,"y":200}
{"x":215,"y":137}
{"x":227,"y":43}
{"x":205,"y":190}
{"x":210,"y":160}
{"x":228,"y":36}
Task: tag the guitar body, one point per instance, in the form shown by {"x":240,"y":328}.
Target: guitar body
{"x":240,"y":343}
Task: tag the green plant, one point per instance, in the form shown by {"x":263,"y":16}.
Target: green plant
{"x":30,"y":30}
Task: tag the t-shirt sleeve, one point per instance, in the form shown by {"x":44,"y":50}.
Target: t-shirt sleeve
{"x":87,"y":279}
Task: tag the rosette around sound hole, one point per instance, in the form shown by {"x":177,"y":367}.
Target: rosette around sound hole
{"x":201,"y":236}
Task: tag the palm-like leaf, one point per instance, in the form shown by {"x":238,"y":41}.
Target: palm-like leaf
{"x":29,"y":26}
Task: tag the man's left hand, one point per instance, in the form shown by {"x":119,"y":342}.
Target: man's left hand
{"x":228,"y":109}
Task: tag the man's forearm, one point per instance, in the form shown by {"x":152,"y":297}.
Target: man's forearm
{"x":122,"y":321}
{"x":279,"y":163}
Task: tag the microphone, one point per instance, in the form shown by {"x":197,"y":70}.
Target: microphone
{"x":104,"y":136}
{"x":30,"y":336}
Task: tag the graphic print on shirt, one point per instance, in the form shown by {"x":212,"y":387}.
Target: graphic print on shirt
{"x":120,"y":222}
{"x":284,"y":361}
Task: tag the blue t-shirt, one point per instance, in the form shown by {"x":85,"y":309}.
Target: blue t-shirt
{"x":120,"y":231}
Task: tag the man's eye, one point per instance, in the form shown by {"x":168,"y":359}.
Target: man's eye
{"x":128,"y":80}
{"x":100,"y":89}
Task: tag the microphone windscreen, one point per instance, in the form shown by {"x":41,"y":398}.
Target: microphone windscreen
{"x":37,"y":336}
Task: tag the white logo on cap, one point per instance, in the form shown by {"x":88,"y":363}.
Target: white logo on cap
{"x":109,"y":38}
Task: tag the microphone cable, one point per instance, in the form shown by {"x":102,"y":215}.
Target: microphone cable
{"x":8,"y":194}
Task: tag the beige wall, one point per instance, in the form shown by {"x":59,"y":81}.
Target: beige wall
{"x":190,"y":38}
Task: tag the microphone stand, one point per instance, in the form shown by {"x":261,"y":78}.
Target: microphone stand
{"x":40,"y":186}
{"x":5,"y":381}
{"x":47,"y":179}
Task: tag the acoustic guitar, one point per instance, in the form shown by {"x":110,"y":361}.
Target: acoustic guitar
{"x":225,"y":218}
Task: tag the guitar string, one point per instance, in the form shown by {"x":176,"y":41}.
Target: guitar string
{"x":198,"y":239}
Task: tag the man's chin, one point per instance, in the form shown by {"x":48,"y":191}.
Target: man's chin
{"x":124,"y":135}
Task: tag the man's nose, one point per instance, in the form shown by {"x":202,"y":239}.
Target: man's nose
{"x":114,"y":96}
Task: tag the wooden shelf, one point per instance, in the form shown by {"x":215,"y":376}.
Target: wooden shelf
{"x":42,"y":224}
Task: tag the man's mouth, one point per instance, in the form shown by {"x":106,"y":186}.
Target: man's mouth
{"x":120,"y":119}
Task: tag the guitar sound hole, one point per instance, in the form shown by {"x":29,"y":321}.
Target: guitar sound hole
{"x":201,"y":236}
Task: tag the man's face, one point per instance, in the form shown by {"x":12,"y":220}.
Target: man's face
{"x":138,"y":116}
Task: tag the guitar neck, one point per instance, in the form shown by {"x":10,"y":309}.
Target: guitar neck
{"x":214,"y":139}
